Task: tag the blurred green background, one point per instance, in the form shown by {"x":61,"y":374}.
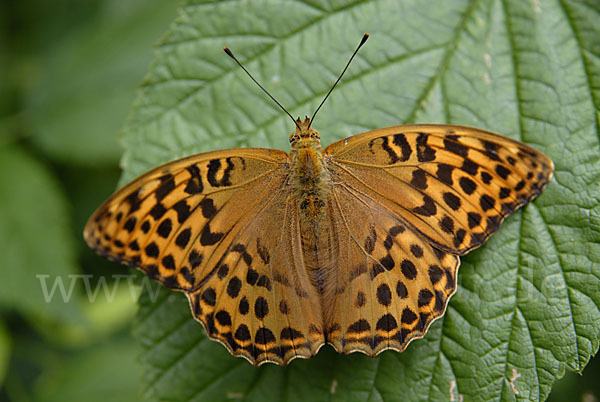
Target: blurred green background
{"x":68,"y":72}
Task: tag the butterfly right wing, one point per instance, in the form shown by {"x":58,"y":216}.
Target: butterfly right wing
{"x":221,"y":227}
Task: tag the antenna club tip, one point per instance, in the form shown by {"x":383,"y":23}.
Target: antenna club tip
{"x":367,"y":34}
{"x":226,"y":50}
{"x":364,"y":39}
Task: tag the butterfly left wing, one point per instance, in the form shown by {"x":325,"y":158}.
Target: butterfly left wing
{"x":454,"y":185}
{"x":221,"y":227}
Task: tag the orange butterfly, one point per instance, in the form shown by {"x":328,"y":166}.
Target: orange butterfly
{"x":355,"y":245}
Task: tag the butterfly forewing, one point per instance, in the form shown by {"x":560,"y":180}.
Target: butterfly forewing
{"x":452,"y":184}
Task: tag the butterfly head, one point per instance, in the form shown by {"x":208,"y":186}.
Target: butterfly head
{"x":304,"y":133}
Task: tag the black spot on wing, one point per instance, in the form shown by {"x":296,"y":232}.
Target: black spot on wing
{"x":194,"y":184}
{"x":242,"y":333}
{"x":158,"y":211}
{"x":467,"y":185}
{"x":491,"y":150}
{"x":183,"y":238}
{"x":359,"y":326}
{"x":452,"y":201}
{"x":261,"y":308}
{"x":130,"y":224}
{"x":152,"y":250}
{"x":474,"y":219}
{"x":263,"y":253}
{"x":444,"y":173}
{"x":208,"y":238}
{"x":168,"y":262}
{"x":386,"y":147}
{"x":520,"y":185}
{"x":195,"y":259}
{"x":424,"y":152}
{"x":486,"y":202}
{"x":408,"y":316}
{"x":213,"y":169}
{"x":208,"y":208}
{"x":486,"y":177}
{"x":447,"y":224}
{"x":264,"y":336}
{"x":400,"y":141}
{"x":290,"y":333}
{"x":182,"y":209}
{"x":384,"y":295}
{"x":370,"y":241}
{"x":164,"y":229}
{"x":167,"y":185}
{"x":387,"y":323}
{"x":419,"y":179}
{"x":134,"y":201}
{"x":451,"y":144}
{"x":435,"y":273}
{"x":428,"y":208}
{"x":469,"y":166}
{"x":401,"y":290}
{"x":234,"y":286}
{"x":408,"y":269}
{"x":502,"y":171}
{"x":209,"y":296}
{"x":416,"y":250}
{"x":244,"y":306}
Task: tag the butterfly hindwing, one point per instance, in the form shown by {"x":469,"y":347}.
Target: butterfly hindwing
{"x":260,"y":303}
{"x":390,"y":284}
{"x":453,"y":184}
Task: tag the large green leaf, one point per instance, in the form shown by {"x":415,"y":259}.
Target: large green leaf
{"x":528,"y":303}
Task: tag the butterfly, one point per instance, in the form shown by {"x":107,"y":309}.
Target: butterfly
{"x":356,"y":245}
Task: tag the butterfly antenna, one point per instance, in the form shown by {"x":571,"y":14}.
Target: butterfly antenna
{"x":362,"y":42}
{"x":230,"y":54}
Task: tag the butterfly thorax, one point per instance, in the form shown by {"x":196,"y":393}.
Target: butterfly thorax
{"x":310,"y":178}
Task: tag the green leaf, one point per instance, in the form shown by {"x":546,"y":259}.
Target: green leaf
{"x":87,"y":81}
{"x":36,"y":248}
{"x":528,"y":303}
